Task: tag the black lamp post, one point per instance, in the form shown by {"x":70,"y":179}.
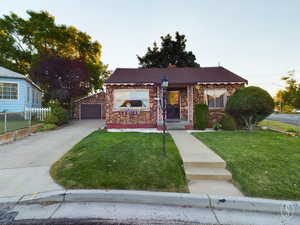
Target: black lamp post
{"x":164,"y":85}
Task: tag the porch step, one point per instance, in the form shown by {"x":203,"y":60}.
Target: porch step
{"x":204,"y":164}
{"x":208,"y":174}
{"x":175,"y":127}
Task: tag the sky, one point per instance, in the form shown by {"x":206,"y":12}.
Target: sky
{"x":258,"y":40}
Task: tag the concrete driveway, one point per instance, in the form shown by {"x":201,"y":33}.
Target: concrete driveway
{"x":293,"y":119}
{"x":25,"y":164}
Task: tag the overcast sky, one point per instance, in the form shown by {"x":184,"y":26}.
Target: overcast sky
{"x":259,"y":40}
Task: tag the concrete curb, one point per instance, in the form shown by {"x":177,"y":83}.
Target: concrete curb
{"x":158,"y":198}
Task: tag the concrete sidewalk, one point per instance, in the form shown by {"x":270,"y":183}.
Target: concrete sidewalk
{"x":205,"y":170}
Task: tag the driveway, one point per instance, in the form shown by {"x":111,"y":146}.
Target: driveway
{"x":293,"y":119}
{"x":25,"y":164}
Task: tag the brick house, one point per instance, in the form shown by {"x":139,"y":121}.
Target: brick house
{"x":133,"y":95}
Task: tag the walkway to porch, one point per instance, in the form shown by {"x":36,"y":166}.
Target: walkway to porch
{"x":205,"y":170}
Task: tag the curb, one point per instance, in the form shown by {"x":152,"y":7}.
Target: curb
{"x":244,"y":204}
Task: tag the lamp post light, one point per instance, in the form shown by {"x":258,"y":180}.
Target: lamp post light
{"x":164,"y":85}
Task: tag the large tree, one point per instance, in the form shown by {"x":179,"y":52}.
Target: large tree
{"x":62,"y":79}
{"x":171,"y":52}
{"x":289,"y":97}
{"x":24,"y":41}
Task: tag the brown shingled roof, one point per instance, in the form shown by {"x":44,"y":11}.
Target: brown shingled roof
{"x":174,"y":75}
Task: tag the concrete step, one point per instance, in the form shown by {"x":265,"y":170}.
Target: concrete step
{"x":208,"y":174}
{"x":213,"y":187}
{"x":204,"y":164}
{"x":175,"y":127}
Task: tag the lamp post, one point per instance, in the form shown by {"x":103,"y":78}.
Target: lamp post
{"x":164,"y":85}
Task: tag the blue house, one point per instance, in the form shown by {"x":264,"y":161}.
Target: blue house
{"x":18,"y":92}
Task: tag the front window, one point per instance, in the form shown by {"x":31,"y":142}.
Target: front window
{"x":8,"y":91}
{"x":131,"y":99}
{"x":216,"y":98}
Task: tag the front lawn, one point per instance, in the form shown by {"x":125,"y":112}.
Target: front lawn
{"x":263,"y":163}
{"x":106,"y":160}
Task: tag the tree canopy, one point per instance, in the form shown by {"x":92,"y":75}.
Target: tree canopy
{"x":290,"y":96}
{"x":171,"y":52}
{"x":25,"y":41}
{"x":62,"y":79}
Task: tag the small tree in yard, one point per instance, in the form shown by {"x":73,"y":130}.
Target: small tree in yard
{"x":249,"y":106}
{"x":62,"y":79}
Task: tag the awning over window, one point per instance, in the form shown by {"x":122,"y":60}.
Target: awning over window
{"x":216,"y":93}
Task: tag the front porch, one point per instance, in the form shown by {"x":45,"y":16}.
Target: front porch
{"x":179,"y":108}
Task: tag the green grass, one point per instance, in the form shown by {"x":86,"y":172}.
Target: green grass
{"x":47,"y":126}
{"x":106,"y":160}
{"x":280,"y":126}
{"x":263,"y":163}
{"x":15,"y":124}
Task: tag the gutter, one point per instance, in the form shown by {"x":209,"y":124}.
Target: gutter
{"x":141,"y":207}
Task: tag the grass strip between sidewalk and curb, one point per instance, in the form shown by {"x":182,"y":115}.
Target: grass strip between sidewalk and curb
{"x":279,"y":126}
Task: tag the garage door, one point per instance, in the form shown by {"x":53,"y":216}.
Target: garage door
{"x":90,"y":111}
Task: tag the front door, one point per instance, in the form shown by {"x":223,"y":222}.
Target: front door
{"x":173,"y":105}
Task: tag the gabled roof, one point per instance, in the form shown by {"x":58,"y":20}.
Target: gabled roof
{"x":11,"y":74}
{"x":174,"y":75}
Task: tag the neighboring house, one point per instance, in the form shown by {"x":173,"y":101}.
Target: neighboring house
{"x":133,"y":95}
{"x":17,"y":92}
{"x":90,"y":107}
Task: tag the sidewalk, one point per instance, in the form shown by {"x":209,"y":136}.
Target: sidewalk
{"x":205,"y":170}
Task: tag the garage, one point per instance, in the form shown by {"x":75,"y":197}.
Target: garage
{"x":90,"y":111}
{"x":90,"y":107}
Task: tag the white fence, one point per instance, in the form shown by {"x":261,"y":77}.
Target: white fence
{"x":38,"y":113}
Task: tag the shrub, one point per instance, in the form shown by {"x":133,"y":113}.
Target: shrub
{"x":228,"y":122}
{"x":47,"y":127}
{"x":58,"y":115}
{"x":291,"y":130}
{"x":249,"y":106}
{"x":201,"y":116}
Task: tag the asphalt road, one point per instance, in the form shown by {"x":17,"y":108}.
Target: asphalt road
{"x":293,"y":119}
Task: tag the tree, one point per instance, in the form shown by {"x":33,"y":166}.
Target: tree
{"x":62,"y":79}
{"x":290,"y":96}
{"x":22,"y":42}
{"x":249,"y":106}
{"x":171,"y":52}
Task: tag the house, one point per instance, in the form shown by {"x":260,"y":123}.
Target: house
{"x":17,"y":92}
{"x":133,"y":96}
{"x":90,"y":107}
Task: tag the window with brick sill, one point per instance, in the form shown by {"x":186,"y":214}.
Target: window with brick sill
{"x":131,"y":99}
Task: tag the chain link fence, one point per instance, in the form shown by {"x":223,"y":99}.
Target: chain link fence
{"x":10,"y":121}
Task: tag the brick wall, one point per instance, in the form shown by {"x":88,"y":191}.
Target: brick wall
{"x":183,"y":104}
{"x":198,"y":97}
{"x":98,"y":98}
{"x":131,"y":118}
